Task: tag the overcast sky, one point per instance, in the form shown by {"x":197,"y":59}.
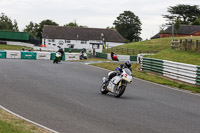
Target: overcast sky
{"x":91,"y":13}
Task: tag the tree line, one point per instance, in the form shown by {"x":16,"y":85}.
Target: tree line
{"x":127,"y":23}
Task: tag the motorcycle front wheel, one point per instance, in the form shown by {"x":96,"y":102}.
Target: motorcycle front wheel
{"x":120,"y":91}
{"x":103,"y":89}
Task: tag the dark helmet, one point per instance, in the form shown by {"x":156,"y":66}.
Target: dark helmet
{"x":128,"y":64}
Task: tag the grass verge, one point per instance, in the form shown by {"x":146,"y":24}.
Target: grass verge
{"x":90,"y":59}
{"x":12,"y":47}
{"x":12,"y":124}
{"x":152,"y":77}
{"x":178,"y":56}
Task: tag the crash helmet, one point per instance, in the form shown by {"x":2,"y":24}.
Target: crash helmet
{"x":128,"y":64}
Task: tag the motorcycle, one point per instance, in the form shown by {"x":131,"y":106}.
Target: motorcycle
{"x":114,"y":56}
{"x":83,"y":56}
{"x":57,"y":57}
{"x":117,"y":85}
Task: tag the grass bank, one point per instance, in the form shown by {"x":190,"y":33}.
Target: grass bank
{"x":163,"y":45}
{"x":178,"y":56}
{"x":152,"y":77}
{"x":12,"y":47}
{"x":12,"y":124}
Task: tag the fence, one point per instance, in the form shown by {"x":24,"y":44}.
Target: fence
{"x":186,"y":45}
{"x":9,"y":54}
{"x":74,"y":50}
{"x":120,"y":57}
{"x":128,"y":51}
{"x":174,"y":70}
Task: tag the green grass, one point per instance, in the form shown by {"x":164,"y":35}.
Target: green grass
{"x":89,"y":59}
{"x":163,"y":45}
{"x":6,"y":127}
{"x":12,"y":47}
{"x":149,"y":45}
{"x":12,"y":124}
{"x":153,"y":44}
{"x":152,"y":77}
{"x":178,"y":56}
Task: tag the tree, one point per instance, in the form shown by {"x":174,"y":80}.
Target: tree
{"x":177,"y":24}
{"x":32,"y":28}
{"x":74,"y":24}
{"x":197,"y":21}
{"x":186,"y":14}
{"x":7,"y":24}
{"x":112,"y":28}
{"x":129,"y":26}
{"x":162,"y":28}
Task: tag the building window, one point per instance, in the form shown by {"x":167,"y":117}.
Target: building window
{"x":53,"y":40}
{"x":70,"y":45}
{"x":49,"y":40}
{"x":49,"y":43}
{"x":95,"y":46}
{"x":67,"y":41}
{"x":83,"y":42}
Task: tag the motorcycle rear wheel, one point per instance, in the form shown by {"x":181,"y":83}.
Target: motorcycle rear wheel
{"x":103,"y":89}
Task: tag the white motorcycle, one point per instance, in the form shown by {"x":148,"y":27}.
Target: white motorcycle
{"x":58,"y":57}
{"x":117,"y":85}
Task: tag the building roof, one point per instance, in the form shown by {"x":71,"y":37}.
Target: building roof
{"x":79,"y":33}
{"x":156,"y":36}
{"x":184,"y":29}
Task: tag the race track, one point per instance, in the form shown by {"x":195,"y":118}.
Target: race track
{"x":65,"y":97}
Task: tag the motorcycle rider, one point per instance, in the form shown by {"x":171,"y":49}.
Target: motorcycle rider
{"x":61,"y":51}
{"x":119,"y":70}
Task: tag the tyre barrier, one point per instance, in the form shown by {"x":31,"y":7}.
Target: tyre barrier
{"x":9,"y":54}
{"x":179,"y":71}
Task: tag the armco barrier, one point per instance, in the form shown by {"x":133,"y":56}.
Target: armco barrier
{"x":43,"y":56}
{"x":2,"y":54}
{"x":152,"y":65}
{"x":180,"y":71}
{"x":9,"y":54}
{"x":101,"y":55}
{"x":133,"y":58}
{"x":13,"y":54}
{"x":74,"y":50}
{"x":175,"y":70}
{"x":72,"y":56}
{"x":123,"y":57}
{"x":198,"y":76}
{"x":28,"y":55}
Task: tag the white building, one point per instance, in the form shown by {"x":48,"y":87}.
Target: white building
{"x":79,"y":38}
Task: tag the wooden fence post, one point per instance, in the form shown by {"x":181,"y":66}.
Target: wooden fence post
{"x":197,"y":45}
{"x":186,"y":44}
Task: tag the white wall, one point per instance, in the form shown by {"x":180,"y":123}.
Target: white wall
{"x":77,"y":44}
{"x":20,"y":44}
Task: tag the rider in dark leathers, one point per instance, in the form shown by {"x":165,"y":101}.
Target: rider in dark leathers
{"x":61,"y":51}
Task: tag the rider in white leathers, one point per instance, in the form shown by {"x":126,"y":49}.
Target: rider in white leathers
{"x":118,"y":70}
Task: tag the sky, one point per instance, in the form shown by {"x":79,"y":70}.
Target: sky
{"x":91,"y":13}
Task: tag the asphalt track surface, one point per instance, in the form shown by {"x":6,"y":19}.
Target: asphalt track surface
{"x":65,"y":97}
